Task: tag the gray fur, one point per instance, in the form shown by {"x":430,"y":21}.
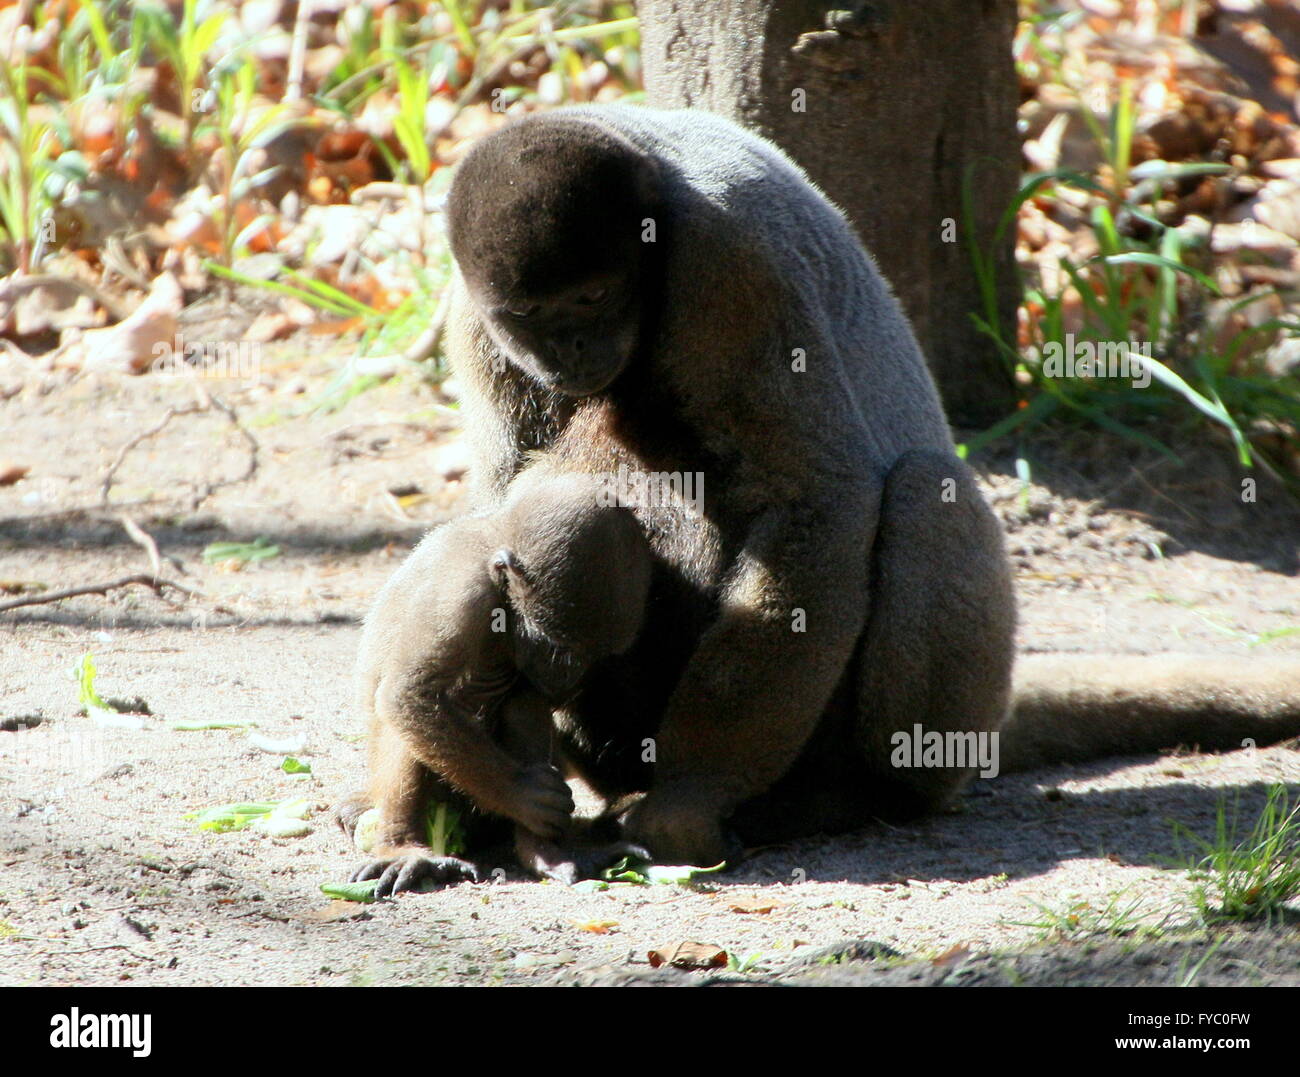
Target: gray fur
{"x":759,"y":269}
{"x":833,"y":494}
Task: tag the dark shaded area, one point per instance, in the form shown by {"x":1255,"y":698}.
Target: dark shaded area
{"x":983,"y":834}
{"x":1254,"y":956}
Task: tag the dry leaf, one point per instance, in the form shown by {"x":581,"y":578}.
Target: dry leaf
{"x":146,"y":336}
{"x":273,"y":325}
{"x":595,"y":927}
{"x":52,"y":307}
{"x":689,"y":955}
{"x":951,"y":957}
{"x":10,"y":472}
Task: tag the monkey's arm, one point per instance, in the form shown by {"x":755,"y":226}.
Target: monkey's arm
{"x":452,"y":735}
{"x":791,"y":611}
{"x":433,"y":670}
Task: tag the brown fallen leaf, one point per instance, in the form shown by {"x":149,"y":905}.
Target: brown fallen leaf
{"x":689,"y":955}
{"x":595,"y":927}
{"x":145,"y":337}
{"x":10,"y":472}
{"x":273,"y":325}
{"x":951,"y":957}
{"x":57,"y":306}
{"x":336,"y":911}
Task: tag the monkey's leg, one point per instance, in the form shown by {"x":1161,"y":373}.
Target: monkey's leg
{"x":402,"y":789}
{"x":939,"y":643}
{"x":758,"y":684}
{"x":585,"y":847}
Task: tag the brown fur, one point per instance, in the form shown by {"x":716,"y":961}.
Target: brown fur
{"x":488,"y":617}
{"x":845,"y":580}
{"x":1070,"y":708}
{"x":824,"y":486}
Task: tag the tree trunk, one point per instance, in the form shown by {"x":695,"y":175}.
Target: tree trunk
{"x":890,"y":107}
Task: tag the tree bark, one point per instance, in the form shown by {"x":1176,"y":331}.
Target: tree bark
{"x":890,"y":107}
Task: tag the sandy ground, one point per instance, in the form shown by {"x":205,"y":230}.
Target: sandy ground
{"x":103,"y":880}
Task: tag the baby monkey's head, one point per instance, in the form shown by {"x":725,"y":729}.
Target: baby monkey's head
{"x":575,"y":572}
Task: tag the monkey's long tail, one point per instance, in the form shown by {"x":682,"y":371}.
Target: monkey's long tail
{"x":1069,"y":708}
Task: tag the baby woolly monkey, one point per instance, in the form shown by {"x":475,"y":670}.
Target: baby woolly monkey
{"x":493,"y":620}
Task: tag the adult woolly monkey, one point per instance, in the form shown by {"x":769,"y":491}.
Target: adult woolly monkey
{"x":686,"y":272}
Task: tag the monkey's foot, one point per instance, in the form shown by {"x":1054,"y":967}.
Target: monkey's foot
{"x":569,"y":863}
{"x":679,"y":832}
{"x":415,"y":873}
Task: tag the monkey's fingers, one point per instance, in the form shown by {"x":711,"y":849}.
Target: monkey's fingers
{"x":547,"y":820}
{"x":545,"y":781}
{"x":415,"y":873}
{"x":419,"y":873}
{"x":620,"y":849}
{"x":372,"y":869}
{"x":544,"y":806}
{"x":547,"y":798}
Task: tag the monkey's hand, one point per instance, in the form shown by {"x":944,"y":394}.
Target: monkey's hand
{"x":678,"y":828}
{"x":415,"y":869}
{"x":542,"y":801}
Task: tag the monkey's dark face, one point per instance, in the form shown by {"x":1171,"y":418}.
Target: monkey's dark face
{"x":549,"y":652}
{"x":576,"y":340}
{"x":546,"y":225}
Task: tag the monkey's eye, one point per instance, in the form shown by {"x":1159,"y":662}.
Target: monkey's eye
{"x":522,"y":310}
{"x":591,"y":298}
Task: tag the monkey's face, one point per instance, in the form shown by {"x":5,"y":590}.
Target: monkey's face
{"x":574,"y":340}
{"x":548,"y":650}
{"x":546,"y":227}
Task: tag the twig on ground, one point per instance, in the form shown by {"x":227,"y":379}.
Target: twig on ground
{"x":204,"y":403}
{"x":145,"y":540}
{"x":142,"y":538}
{"x":254,"y":448}
{"x":144,"y":435}
{"x":155,"y":583}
